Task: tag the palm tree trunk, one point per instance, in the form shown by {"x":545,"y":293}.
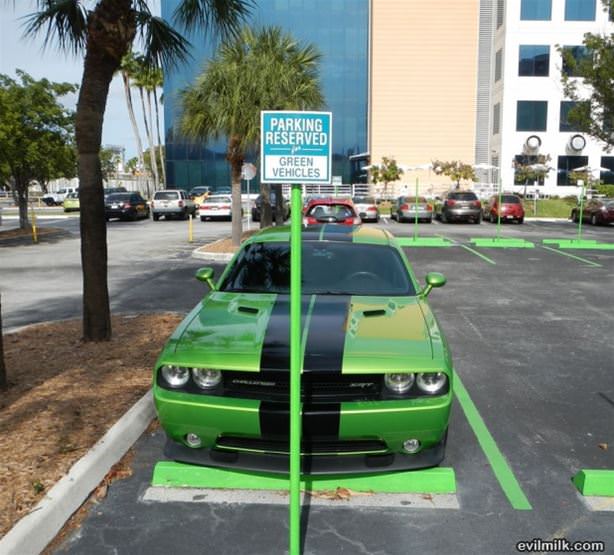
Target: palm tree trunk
{"x":279,"y":213}
{"x":266,"y":213}
{"x":3,"y":380}
{"x":235,"y":157}
{"x":147,"y":133}
{"x":135,"y":127}
{"x":160,"y":147}
{"x":152,"y":149}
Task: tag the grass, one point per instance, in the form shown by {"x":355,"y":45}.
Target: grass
{"x":549,"y":208}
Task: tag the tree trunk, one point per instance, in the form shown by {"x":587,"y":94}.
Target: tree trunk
{"x":3,"y":380}
{"x":148,"y":135}
{"x":235,"y":157}
{"x":266,"y":214}
{"x":153,"y":157}
{"x":22,"y":202}
{"x":111,"y":30}
{"x":160,"y":147}
{"x":279,"y":215}
{"x":135,"y":127}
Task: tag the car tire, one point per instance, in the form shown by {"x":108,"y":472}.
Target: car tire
{"x":594,"y":220}
{"x":444,"y":218}
{"x":574,"y":216}
{"x":521,"y":220}
{"x":493,"y":219}
{"x":478,"y":220}
{"x":156,"y":217}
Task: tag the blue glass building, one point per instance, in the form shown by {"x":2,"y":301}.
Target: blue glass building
{"x":340,"y":31}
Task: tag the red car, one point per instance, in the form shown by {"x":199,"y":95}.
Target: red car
{"x":330,"y":211}
{"x":511,"y":209}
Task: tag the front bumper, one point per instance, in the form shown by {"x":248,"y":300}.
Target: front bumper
{"x":368,"y":435}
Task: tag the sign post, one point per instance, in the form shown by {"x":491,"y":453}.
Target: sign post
{"x":295,"y":147}
{"x":248,"y":172}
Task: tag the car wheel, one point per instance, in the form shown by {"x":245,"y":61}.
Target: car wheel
{"x":444,"y":218}
{"x":478,"y":220}
{"x":429,"y":220}
{"x":574,"y":217}
{"x":594,"y":220}
{"x":521,"y":220}
{"x":156,"y":217}
{"x":493,"y":219}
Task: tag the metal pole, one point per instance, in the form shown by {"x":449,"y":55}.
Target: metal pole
{"x":295,"y":372}
{"x":416,"y":212}
{"x":499,"y":210}
{"x":249,"y":207}
{"x":190,"y":237}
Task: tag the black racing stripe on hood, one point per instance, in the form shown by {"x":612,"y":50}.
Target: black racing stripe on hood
{"x":317,"y":421}
{"x":339,"y":232}
{"x":326,"y":334}
{"x":275,"y":354}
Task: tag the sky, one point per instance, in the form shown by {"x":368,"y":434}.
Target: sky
{"x":17,"y":52}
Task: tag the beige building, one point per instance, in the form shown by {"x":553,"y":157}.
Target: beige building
{"x":423,"y":85}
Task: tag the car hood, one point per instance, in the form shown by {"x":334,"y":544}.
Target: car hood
{"x":340,"y":333}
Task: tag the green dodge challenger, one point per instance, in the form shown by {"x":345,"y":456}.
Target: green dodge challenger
{"x":376,"y":382}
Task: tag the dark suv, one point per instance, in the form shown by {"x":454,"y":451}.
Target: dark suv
{"x":257,"y":208}
{"x":460,"y":206}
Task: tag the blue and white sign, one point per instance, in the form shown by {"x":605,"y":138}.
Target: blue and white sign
{"x":295,"y":147}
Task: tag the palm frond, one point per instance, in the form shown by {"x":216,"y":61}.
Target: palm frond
{"x":163,"y":46}
{"x":213,"y":16}
{"x":61,"y":20}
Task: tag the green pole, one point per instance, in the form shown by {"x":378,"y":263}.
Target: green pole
{"x":416,"y":213}
{"x":581,"y":211}
{"x":295,"y":371}
{"x":499,"y":210}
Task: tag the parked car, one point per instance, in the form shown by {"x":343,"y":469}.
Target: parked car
{"x":125,"y":206}
{"x":57,"y":198}
{"x":366,"y":208}
{"x":257,"y":207}
{"x":172,"y":203}
{"x":198,"y":194}
{"x":110,"y":190}
{"x":215,"y":207}
{"x":459,"y":206}
{"x":71,"y":202}
{"x":597,"y":211}
{"x":331,"y":211}
{"x":511,"y":209}
{"x":377,"y":377}
{"x":405,"y":209}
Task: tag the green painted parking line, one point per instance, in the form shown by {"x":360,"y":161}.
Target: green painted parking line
{"x":589,"y":262}
{"x":499,"y":465}
{"x":595,"y":482}
{"x":485,"y":258}
{"x":438,"y":480}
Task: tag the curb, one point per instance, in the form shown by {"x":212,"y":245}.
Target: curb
{"x":35,"y":530}
{"x":212,"y":256}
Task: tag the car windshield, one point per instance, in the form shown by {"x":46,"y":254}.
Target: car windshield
{"x":118,"y":197}
{"x":338,"y":211}
{"x":463,"y":196}
{"x":72,"y":195}
{"x":166,"y":195}
{"x":328,"y":268}
{"x":217,"y":199}
{"x":510,"y":199}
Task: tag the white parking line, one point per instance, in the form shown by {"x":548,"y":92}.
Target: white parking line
{"x":249,"y":497}
{"x":598,"y":503}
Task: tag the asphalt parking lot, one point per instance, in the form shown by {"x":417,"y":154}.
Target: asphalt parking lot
{"x":530,"y":331}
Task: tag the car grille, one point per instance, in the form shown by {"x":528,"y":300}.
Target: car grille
{"x":316,"y":387}
{"x":315,"y":447}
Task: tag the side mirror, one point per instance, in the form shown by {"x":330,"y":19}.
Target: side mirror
{"x":433,"y":279}
{"x":206,"y":276}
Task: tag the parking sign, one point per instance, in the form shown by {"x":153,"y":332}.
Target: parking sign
{"x":295,"y":147}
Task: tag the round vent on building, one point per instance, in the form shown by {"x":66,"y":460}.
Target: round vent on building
{"x":577,"y":142}
{"x":533,"y":142}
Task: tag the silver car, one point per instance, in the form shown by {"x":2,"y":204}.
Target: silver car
{"x":406,"y":208}
{"x":172,"y":203}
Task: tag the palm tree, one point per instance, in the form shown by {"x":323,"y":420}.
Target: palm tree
{"x":103,"y":31}
{"x":158,"y":81}
{"x":128,"y":69}
{"x":257,"y":70}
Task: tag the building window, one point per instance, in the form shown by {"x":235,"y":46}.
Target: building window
{"x":564,"y":123}
{"x":579,"y":10}
{"x":536,"y":10}
{"x":607,"y":177}
{"x":573,"y":58}
{"x":568,"y":164}
{"x":531,"y":115}
{"x":498,"y":64}
{"x":521,"y":162}
{"x":534,"y":60}
{"x":500,"y":12}
{"x":496,"y":119}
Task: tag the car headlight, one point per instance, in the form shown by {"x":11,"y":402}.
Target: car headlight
{"x":399,"y":383}
{"x":175,"y":376}
{"x":205,"y":378}
{"x":431,"y":382}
